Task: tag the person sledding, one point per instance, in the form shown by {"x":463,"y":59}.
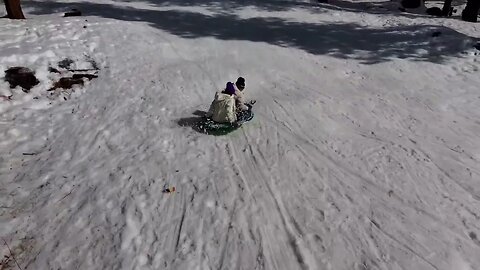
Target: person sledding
{"x":239,"y":97}
{"x":223,"y":107}
{"x":228,"y":106}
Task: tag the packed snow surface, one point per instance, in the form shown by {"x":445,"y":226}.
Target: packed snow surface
{"x":364,"y":152}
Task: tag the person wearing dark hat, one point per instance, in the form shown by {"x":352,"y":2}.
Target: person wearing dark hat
{"x":239,"y":97}
{"x":240,"y":83}
{"x":244,"y":110}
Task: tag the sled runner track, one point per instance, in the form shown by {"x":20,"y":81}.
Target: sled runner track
{"x":243,"y":185}
{"x":261,"y":183}
{"x":314,"y":161}
{"x":256,"y":159}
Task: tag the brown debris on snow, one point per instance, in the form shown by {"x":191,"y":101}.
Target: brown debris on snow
{"x":21,"y":76}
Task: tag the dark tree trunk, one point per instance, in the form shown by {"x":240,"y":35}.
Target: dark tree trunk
{"x":470,"y":13}
{"x":14,"y":10}
{"x":447,"y":8}
{"x":411,"y":3}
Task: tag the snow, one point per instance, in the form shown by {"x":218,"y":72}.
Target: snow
{"x":363,"y":153}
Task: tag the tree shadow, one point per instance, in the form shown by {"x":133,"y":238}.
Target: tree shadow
{"x":341,"y":40}
{"x":377,"y":8}
{"x":314,"y":6}
{"x":229,"y":6}
{"x":385,"y":7}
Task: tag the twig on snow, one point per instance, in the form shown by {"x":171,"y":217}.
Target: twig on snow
{"x":67,"y":194}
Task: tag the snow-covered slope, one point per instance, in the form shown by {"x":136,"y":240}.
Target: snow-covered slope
{"x":363,"y":153}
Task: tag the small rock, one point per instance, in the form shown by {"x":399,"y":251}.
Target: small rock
{"x":53,"y":70}
{"x":65,"y":63}
{"x":21,"y":76}
{"x":436,"y":34}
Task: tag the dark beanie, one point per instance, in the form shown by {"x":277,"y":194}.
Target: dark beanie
{"x":230,"y":89}
{"x":240,"y":81}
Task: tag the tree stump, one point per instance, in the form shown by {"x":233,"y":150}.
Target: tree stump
{"x":14,"y":9}
{"x":470,"y":13}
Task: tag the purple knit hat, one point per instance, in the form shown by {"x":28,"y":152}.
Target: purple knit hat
{"x":230,"y":89}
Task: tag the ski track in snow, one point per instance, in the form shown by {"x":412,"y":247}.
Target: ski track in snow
{"x":346,"y":165}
